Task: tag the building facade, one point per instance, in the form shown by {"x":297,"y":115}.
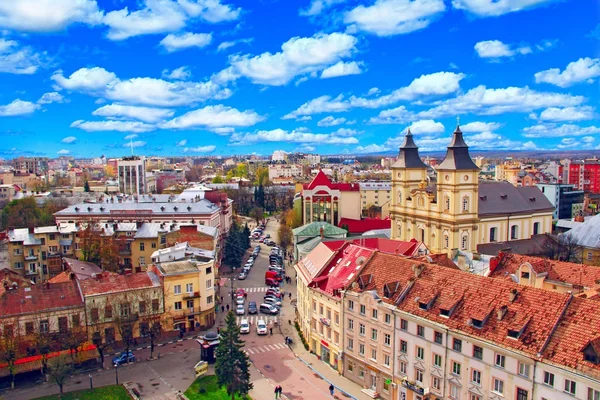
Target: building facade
{"x":325,"y":201}
{"x":584,"y":174}
{"x":562,"y":197}
{"x":378,"y":195}
{"x":131,"y":174}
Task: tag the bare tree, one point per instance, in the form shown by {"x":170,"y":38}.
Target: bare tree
{"x":9,"y":348}
{"x":59,"y":371}
{"x":125,"y":320}
{"x":73,"y":339}
{"x":562,"y":247}
{"x":102,"y":343}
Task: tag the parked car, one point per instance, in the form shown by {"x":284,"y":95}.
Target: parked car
{"x":240,"y":300}
{"x":261,"y":327}
{"x":240,"y":309}
{"x":266,"y":308}
{"x":273,"y":301}
{"x":244,"y":326}
{"x":123,"y":358}
{"x":273,"y":291}
{"x":267,"y":236}
{"x":243,"y":275}
{"x":240,"y":292}
{"x":252,"y":308}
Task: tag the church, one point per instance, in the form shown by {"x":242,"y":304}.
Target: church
{"x":455,"y":210}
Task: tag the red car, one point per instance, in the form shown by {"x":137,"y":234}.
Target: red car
{"x":240,"y":292}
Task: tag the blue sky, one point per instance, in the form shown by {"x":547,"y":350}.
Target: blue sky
{"x":218,"y":77}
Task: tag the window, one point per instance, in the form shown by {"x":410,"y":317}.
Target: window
{"x":464,"y":242}
{"x":361,"y":329}
{"x":29,"y":328}
{"x":446,"y":241}
{"x":403,"y":324}
{"x":208,"y":270}
{"x":455,"y":368}
{"x":570,"y":386}
{"x":363,"y":309}
{"x":454,"y":392}
{"x":125,"y":309}
{"x":420,"y":331}
{"x":499,"y":360}
{"x":524,"y":370}
{"x":373,"y":334}
{"x":548,"y":379}
{"x":18,"y":251}
{"x":209,"y":284}
{"x":350,"y":366}
{"x":418,"y":375}
{"x":190,"y":303}
{"x":209,"y":299}
{"x":189,"y":288}
{"x":155,"y":305}
{"x":493,"y":234}
{"x":387,"y":339}
{"x":593,"y":394}
{"x":108,"y":312}
{"x":522,"y":394}
{"x":386,"y":385}
{"x":420,"y":353}
{"x":142,"y":307}
{"x":386,"y":360}
{"x":457,"y":345}
{"x":75,"y":320}
{"x":477,"y":352}
{"x":177,"y":289}
{"x":514,"y":232}
{"x":337,"y":318}
{"x":436,"y":383}
{"x":63,"y":324}
{"x":142,"y":260}
{"x":350,"y":324}
{"x":589,"y":256}
{"x":314,"y":306}
{"x":403,"y":367}
{"x":498,"y":386}
{"x":153,"y":245}
{"x":361,"y":372}
{"x":178,"y":305}
{"x":437,"y":360}
{"x":465,"y":204}
{"x":403,"y":346}
{"x":374,"y":314}
{"x":18,"y":265}
{"x":44,"y":326}
{"x":52,"y":236}
{"x":438,"y":337}
{"x":388,"y":319}
{"x":321,"y":309}
{"x":536,"y":228}
{"x":142,"y":246}
{"x":476,"y":377}
{"x":446,"y":203}
{"x":95,"y":315}
{"x":374,"y":354}
{"x":361,"y":349}
{"x":32,"y":268}
{"x":350,"y":343}
{"x":350,"y":305}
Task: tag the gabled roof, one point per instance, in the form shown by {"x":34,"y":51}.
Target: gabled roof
{"x":587,"y":234}
{"x":310,"y":266}
{"x":82,"y":269}
{"x":500,"y":198}
{"x":364,"y":225}
{"x":389,"y":246}
{"x":40,"y":298}
{"x":314,"y":229}
{"x":118,"y":283}
{"x":322,"y":180}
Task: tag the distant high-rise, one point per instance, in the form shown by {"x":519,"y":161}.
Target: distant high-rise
{"x":131,"y":173}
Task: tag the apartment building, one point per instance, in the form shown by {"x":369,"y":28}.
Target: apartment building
{"x":562,"y":197}
{"x":584,"y":174}
{"x":7,"y":193}
{"x":131,"y":174}
{"x":33,"y":165}
{"x":284,"y":173}
{"x":323,"y":200}
{"x":378,"y":195}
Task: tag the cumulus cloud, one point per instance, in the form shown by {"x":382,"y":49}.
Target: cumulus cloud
{"x":582,"y":70}
{"x":299,"y":56}
{"x":557,"y":114}
{"x":176,"y":42}
{"x":47,"y":15}
{"x":181,"y":143}
{"x":495,"y":49}
{"x":494,"y":8}
{"x":178,"y":74}
{"x":146,"y":114}
{"x":135,"y":144}
{"x":15,"y":59}
{"x":331,"y":121}
{"x":554,"y":130}
{"x":200,"y":149}
{"x":225,"y":45}
{"x":316,"y":7}
{"x":214,"y":117}
{"x":438,"y":83}
{"x":51,"y":97}
{"x":18,"y":107}
{"x":480,"y":127}
{"x":398,"y":115}
{"x":211,"y":11}
{"x":341,"y":69}
{"x":69,"y":140}
{"x":426,"y":126}
{"x":118,"y":126}
{"x":371,"y":148}
{"x":394,"y":17}
{"x":63,"y":152}
{"x":294,"y":136}
{"x":131,"y":136}
{"x":101,"y":83}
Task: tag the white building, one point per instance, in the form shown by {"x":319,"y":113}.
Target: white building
{"x":131,"y":174}
{"x":289,"y":171}
{"x":279,"y":155}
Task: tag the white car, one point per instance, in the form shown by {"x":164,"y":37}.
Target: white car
{"x":244,"y":326}
{"x":240,"y":300}
{"x":240,"y":309}
{"x":261,"y":327}
{"x":273,"y":301}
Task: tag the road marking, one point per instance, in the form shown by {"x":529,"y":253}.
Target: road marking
{"x":266,"y":348}
{"x":253,"y":319}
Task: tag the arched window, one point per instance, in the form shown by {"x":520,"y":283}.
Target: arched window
{"x":493,"y":234}
{"x":446,"y":203}
{"x":421,"y":202}
{"x":465,"y":204}
{"x":514,"y":232}
{"x":422,"y":234}
{"x":464,"y":243}
{"x":446,"y":241}
{"x":536,"y":228}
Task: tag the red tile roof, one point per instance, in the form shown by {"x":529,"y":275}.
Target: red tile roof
{"x":480,"y":297}
{"x":364,"y":225}
{"x":35,"y":299}
{"x":322,"y":180}
{"x":64,"y":276}
{"x":559,"y":271}
{"x":408,"y":249}
{"x":116,"y":283}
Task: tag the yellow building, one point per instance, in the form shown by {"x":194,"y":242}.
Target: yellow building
{"x":377,"y":195}
{"x":508,"y":171}
{"x":457,"y":211}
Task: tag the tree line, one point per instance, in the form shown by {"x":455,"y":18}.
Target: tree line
{"x":26,"y":213}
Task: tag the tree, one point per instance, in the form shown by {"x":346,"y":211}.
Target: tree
{"x":285,"y":235}
{"x":246,"y":235}
{"x":73,"y":339}
{"x":103,"y":344}
{"x":90,"y":242}
{"x":232,"y":365}
{"x":562,"y":247}
{"x":151,"y":328}
{"x":259,"y":196}
{"x":8,"y":349}
{"x":256,"y":213}
{"x":126,"y":324}
{"x":43,"y":344}
{"x":86,"y":187}
{"x":59,"y":371}
{"x":217,"y":179}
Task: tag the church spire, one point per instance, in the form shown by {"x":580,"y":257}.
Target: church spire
{"x":457,"y":154}
{"x":408,"y":156}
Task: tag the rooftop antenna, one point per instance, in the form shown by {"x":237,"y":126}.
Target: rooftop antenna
{"x":131,"y":144}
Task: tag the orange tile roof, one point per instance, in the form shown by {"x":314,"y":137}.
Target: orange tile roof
{"x":481,"y":297}
{"x":116,"y":283}
{"x":64,"y":276}
{"x":40,"y":298}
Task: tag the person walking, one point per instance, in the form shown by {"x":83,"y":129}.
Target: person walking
{"x":279,"y":390}
{"x":227,"y":307}
{"x":331,"y":389}
{"x":276,"y":391}
{"x":271,"y":330}
{"x":290,"y":296}
{"x":222,"y":308}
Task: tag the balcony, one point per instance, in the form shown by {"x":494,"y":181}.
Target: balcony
{"x":189,"y":296}
{"x":31,"y":257}
{"x":125,"y":251}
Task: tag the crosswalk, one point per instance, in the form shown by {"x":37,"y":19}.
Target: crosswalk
{"x":253,"y":319}
{"x":266,"y":348}
{"x":256,"y":289}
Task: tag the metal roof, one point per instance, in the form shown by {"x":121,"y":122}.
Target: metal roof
{"x":587,"y":234}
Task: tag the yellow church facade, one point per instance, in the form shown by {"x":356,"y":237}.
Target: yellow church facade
{"x":455,"y":210}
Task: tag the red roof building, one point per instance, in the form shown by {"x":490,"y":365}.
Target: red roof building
{"x":323,"y":200}
{"x":360,"y":226}
{"x":412,"y":248}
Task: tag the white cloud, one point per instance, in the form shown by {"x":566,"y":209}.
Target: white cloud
{"x":200,"y":149}
{"x":483,"y":101}
{"x":18,"y":107}
{"x":438,"y":83}
{"x":341,"y":69}
{"x":372,"y":148}
{"x":225,"y":45}
{"x":131,"y":136}
{"x":480,"y":127}
{"x":51,"y":97}
{"x":530,"y":145}
{"x":18,"y":60}
{"x":63,"y":152}
{"x":495,"y":49}
{"x":426,"y":126}
{"x":299,"y":56}
{"x":587,"y":139}
{"x":556,"y":114}
{"x":149,"y":91}
{"x":494,"y":8}
{"x":118,"y":126}
{"x":47,"y":15}
{"x":181,"y":143}
{"x":295,"y":136}
{"x":178,"y":74}
{"x":331,"y":121}
{"x":553,"y":131}
{"x":211,"y":11}
{"x":398,"y":115}
{"x":582,"y":70}
{"x":223,"y":131}
{"x":394,"y":17}
{"x":175,"y":42}
{"x":483,"y":136}
{"x":345,"y":132}
{"x":146,"y":114}
{"x":214,"y":117}
{"x":135,"y":144}
{"x":316,"y":7}
{"x":69,"y":140}
{"x":373,"y":91}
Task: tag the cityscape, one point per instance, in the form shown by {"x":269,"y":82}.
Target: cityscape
{"x":348,"y":199}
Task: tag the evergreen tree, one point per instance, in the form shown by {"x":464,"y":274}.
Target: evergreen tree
{"x":232,"y":364}
{"x":246,"y":236}
{"x":233,"y":249}
{"x":259,"y":196}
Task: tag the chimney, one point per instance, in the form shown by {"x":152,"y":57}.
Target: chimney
{"x":512,"y":296}
{"x":501,"y":312}
{"x":418,"y":269}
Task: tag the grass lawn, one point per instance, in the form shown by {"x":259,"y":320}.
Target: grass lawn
{"x":105,"y":393}
{"x":209,"y":383}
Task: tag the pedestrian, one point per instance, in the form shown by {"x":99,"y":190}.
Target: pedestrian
{"x":218,"y":330}
{"x":181,"y":334}
{"x":276,"y":392}
{"x":331,"y":389}
{"x":271,"y":330}
{"x":227,"y":307}
{"x":221,"y":299}
{"x":279,"y":389}
{"x":290,"y":296}
{"x":222,"y":308}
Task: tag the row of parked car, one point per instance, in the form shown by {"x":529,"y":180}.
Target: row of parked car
{"x":250,"y":263}
{"x":261,"y":326}
{"x":271,"y":303}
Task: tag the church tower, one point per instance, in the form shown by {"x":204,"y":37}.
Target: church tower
{"x":408,"y":173}
{"x":457,"y":198}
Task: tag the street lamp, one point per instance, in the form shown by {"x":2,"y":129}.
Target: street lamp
{"x":91,"y":384}
{"x":117,"y":373}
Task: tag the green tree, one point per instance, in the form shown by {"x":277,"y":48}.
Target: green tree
{"x":256,"y":213}
{"x":246,"y":235}
{"x":285,"y":235}
{"x":59,"y":371}
{"x":217,"y":179}
{"x":232,"y":365}
{"x":8,"y":351}
{"x":86,"y":187}
{"x":234,"y":247}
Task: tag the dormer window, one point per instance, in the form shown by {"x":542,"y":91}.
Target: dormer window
{"x":591,"y":351}
{"x":445,"y":313}
{"x":513,"y":334}
{"x":477,"y":323}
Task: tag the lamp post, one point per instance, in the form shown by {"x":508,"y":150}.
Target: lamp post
{"x":117,"y":373}
{"x":91,"y":383}
{"x":232,"y":280}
